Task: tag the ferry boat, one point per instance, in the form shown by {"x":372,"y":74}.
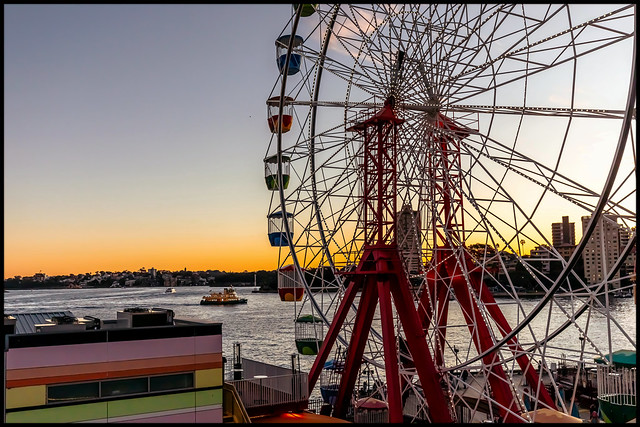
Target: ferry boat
{"x":227,"y":297}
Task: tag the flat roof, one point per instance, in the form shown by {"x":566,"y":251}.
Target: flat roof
{"x":26,"y":322}
{"x":25,"y":334}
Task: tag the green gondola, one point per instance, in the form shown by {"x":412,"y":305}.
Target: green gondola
{"x":309,"y":334}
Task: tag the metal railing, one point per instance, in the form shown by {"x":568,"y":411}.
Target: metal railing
{"x":617,"y":385}
{"x":251,"y":368}
{"x":263,"y":390}
{"x":234,"y":411}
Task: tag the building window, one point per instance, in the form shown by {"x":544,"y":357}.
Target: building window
{"x":125,"y":386}
{"x":119,"y":387}
{"x":73,"y":392}
{"x":171,"y":382}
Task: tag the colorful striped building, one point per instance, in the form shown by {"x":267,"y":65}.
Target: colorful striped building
{"x":145,"y":366}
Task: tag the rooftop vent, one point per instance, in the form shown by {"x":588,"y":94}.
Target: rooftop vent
{"x":140,"y":317}
{"x":64,"y":320}
{"x":137,"y":310}
{"x":9,"y":325}
{"x":63,"y":323}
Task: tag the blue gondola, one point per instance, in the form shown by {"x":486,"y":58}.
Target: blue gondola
{"x":277,"y":232}
{"x":282,"y":45}
{"x":330,"y":380}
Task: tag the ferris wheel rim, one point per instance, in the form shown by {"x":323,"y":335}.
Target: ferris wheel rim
{"x":549,"y":294}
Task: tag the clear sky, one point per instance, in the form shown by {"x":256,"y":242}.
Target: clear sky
{"x":134,"y":136}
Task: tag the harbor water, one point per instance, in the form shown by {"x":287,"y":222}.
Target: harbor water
{"x":264,"y":326}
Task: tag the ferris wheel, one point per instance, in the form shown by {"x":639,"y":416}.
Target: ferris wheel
{"x":420,"y":158}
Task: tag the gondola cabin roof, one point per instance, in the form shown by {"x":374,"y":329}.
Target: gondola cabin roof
{"x":275,"y":100}
{"x":274,"y":159}
{"x":279,"y":215}
{"x":621,"y":358}
{"x":308,"y":319}
{"x":289,"y":267}
{"x":283,"y":41}
{"x":333,"y":365}
{"x":370,"y":403}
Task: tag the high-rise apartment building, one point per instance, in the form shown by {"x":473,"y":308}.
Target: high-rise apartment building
{"x":563,"y":237}
{"x":408,"y":238}
{"x":563,"y":233}
{"x":630,"y":262}
{"x":602,"y":250}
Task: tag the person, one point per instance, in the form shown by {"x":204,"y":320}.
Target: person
{"x":594,"y":414}
{"x":465,"y":374}
{"x":527,"y":401}
{"x":560,"y":396}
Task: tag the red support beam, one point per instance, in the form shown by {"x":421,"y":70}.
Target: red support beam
{"x":359,"y":335}
{"x":394,"y":396}
{"x":417,"y":343}
{"x":483,"y":341}
{"x":494,"y":311}
{"x":332,"y":333}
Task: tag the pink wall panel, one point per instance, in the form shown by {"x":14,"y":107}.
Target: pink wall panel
{"x":143,"y":349}
{"x":56,"y":355}
{"x":209,"y":344}
{"x":209,"y":416}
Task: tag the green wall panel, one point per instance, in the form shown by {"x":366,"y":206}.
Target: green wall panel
{"x":209,"y":397}
{"x":145,"y":405}
{"x":61,"y":414}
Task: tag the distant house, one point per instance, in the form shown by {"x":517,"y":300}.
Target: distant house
{"x":40,"y":277}
{"x":544,"y":254}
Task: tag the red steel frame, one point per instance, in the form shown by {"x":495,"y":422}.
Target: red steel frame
{"x":450,"y":261}
{"x":380,"y":275}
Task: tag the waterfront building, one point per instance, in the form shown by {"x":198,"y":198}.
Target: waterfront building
{"x":563,"y":237}
{"x":169,"y":280}
{"x":40,"y":277}
{"x":144,"y":366}
{"x":543,"y":252}
{"x":630,"y":263}
{"x":602,"y":250}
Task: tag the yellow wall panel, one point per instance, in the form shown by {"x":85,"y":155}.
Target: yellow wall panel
{"x":21,"y":397}
{"x":208,"y":378}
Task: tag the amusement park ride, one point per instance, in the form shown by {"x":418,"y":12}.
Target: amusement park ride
{"x":434,"y":105}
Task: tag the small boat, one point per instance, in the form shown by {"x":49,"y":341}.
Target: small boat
{"x":227,"y":297}
{"x":170,"y":291}
{"x":256,"y":288}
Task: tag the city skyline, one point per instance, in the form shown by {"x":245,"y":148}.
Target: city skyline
{"x":135,"y":135}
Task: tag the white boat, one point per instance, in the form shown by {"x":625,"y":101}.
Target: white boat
{"x":256,"y":288}
{"x":170,"y":291}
